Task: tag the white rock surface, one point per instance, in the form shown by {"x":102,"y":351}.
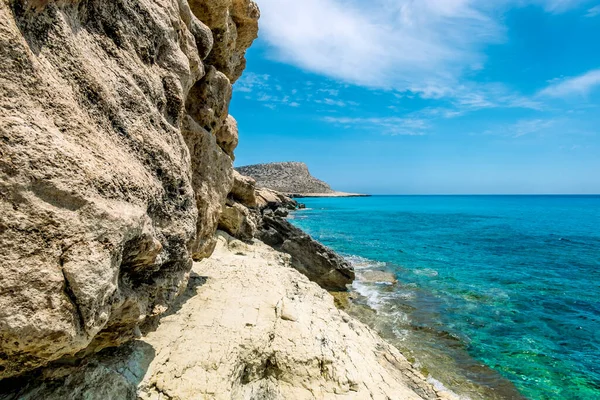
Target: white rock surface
{"x":258,"y":329}
{"x":248,"y":327}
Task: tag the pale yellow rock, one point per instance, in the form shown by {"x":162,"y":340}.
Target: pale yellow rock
{"x":109,"y":184}
{"x":254,"y":328}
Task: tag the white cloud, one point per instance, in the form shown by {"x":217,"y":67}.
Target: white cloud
{"x":331,"y":102}
{"x":593,"y":12}
{"x":579,"y":85}
{"x":558,"y":6}
{"x":331,"y":92}
{"x":382,"y":43}
{"x":387,"y":125}
{"x":425,"y":46}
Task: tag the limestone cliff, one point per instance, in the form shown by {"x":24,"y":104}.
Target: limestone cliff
{"x":285,"y":177}
{"x":116,"y":151}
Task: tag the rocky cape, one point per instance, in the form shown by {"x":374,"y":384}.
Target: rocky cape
{"x":116,"y":169}
{"x":291,"y":178}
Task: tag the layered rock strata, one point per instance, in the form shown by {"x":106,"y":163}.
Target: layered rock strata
{"x":261,"y":213}
{"x":115,"y":162}
{"x":248,"y":327}
{"x":319,"y":263}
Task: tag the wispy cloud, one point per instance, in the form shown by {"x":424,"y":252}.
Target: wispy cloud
{"x":424,"y":46}
{"x":331,"y":102}
{"x":386,"y":125}
{"x":331,"y":92}
{"x":395,"y":44}
{"x":558,"y":6}
{"x":529,"y":126}
{"x":250,"y":82}
{"x":579,"y":85}
{"x":593,"y":12}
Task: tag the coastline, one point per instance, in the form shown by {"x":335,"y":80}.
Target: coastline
{"x":333,"y":194}
{"x":266,"y":332}
{"x":439,"y":356}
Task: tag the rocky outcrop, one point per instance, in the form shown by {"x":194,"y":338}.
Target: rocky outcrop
{"x":244,"y":190}
{"x":115,"y":162}
{"x":270,"y":199}
{"x":319,"y":263}
{"x":260,"y":213}
{"x":234,"y":24}
{"x":285,"y":177}
{"x":248,"y":327}
{"x":238,"y":221}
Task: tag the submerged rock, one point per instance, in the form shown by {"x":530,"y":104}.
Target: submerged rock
{"x":377,"y":277}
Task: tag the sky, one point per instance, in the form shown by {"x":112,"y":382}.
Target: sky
{"x":427,"y":96}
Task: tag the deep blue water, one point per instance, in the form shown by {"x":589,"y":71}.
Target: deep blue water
{"x":516,"y":279}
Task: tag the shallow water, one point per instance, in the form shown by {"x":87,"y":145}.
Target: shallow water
{"x":509,"y":282}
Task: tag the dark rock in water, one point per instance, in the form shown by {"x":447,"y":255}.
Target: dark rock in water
{"x":317,"y":262}
{"x":281,"y":212}
{"x":301,"y":206}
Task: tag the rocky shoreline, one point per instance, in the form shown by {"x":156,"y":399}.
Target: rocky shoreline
{"x":248,"y":326}
{"x":116,"y":172}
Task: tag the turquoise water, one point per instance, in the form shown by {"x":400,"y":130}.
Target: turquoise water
{"x":514,"y":279}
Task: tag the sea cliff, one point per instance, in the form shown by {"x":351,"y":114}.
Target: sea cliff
{"x":116,"y":170}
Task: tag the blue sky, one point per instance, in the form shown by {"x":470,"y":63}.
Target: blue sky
{"x":427,"y":96}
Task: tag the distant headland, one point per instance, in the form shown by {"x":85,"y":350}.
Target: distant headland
{"x":292,"y":178}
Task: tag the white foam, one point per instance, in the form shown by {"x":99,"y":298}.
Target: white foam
{"x":374,"y":297}
{"x":439,"y":387}
{"x":359,"y":262}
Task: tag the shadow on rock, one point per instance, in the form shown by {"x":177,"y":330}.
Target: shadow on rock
{"x":112,"y":373}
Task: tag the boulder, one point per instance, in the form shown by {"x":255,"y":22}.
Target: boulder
{"x":234,"y":24}
{"x":244,"y":190}
{"x":208,"y":101}
{"x":227,"y":136}
{"x":238,"y":221}
{"x":267,"y":198}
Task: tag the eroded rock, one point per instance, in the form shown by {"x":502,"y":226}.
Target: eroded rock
{"x":317,"y":262}
{"x":244,"y":189}
{"x":234,"y":24}
{"x":227,"y":136}
{"x":103,"y":200}
{"x":238,"y":221}
{"x":248,"y":327}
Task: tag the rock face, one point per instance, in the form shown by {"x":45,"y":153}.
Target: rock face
{"x":244,"y":190}
{"x":115,"y":162}
{"x":317,"y":262}
{"x":238,"y":221}
{"x":286,"y":177}
{"x":248,"y":327}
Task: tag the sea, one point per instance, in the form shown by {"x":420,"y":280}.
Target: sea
{"x":496,"y":296}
